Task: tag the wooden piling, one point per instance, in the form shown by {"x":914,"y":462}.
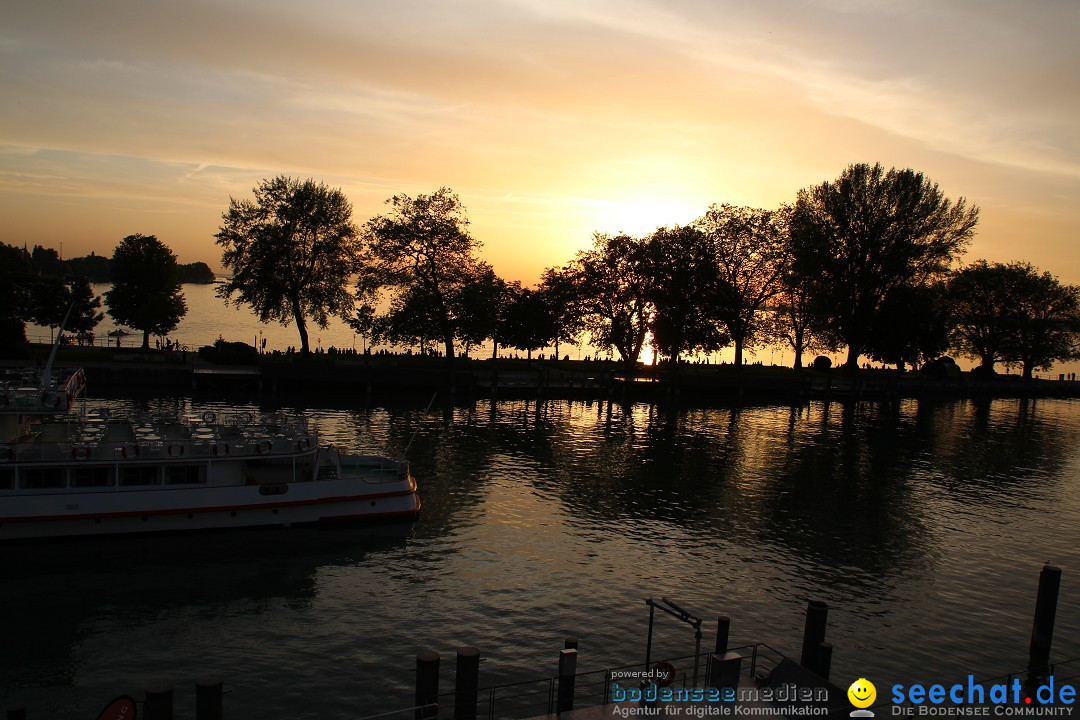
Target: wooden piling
{"x":567,"y":679}
{"x":824,"y":660}
{"x":570,"y":643}
{"x":159,"y":702}
{"x":723,"y":627}
{"x":817,"y":615}
{"x":208,"y":698}
{"x":466,"y":683}
{"x":427,"y":684}
{"x":1042,"y":629}
{"x":723,"y":671}
{"x":16,"y":712}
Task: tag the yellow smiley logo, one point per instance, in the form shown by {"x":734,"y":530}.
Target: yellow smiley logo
{"x":862,"y":693}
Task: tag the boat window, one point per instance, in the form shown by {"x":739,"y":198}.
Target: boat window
{"x":7,"y":478}
{"x":91,"y":477}
{"x":186,"y":474}
{"x":42,"y":478}
{"x":140,"y":476}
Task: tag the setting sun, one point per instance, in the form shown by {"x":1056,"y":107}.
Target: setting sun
{"x":551,"y":120}
{"x":640,"y":216}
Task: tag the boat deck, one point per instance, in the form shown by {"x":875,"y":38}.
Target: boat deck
{"x":95,"y":437}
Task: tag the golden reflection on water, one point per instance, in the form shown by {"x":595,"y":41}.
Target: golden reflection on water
{"x":922,"y":524}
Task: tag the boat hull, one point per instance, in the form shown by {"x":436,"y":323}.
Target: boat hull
{"x":112,"y":512}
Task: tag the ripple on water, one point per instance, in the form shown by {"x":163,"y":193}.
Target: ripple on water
{"x":923,"y":525}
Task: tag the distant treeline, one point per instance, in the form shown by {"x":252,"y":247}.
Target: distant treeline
{"x":868,"y":262}
{"x":38,"y":286}
{"x":98,"y":269}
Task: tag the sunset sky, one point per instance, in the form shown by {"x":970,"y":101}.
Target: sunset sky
{"x":550,"y":118}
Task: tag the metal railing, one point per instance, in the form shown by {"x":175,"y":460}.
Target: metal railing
{"x":1070,"y":666}
{"x":533,"y":698}
{"x":92,"y":449}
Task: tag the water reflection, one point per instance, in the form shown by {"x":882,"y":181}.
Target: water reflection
{"x":915,"y":520}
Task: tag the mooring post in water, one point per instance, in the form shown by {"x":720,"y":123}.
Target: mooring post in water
{"x":697,"y":649}
{"x":824,"y":660}
{"x":817,"y":615}
{"x":723,"y":626}
{"x":427,"y":684}
{"x":466,"y":683}
{"x":16,"y":712}
{"x":1042,"y":629}
{"x":724,"y":670}
{"x":648,"y":643}
{"x":567,"y":679}
{"x":208,"y":698}
{"x":159,"y":702}
{"x":570,"y":643}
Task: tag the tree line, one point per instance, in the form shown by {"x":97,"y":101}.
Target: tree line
{"x":867,"y":262}
{"x":37,"y":286}
{"x":98,"y":268}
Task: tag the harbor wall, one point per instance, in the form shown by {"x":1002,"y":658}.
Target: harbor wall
{"x":375,"y":375}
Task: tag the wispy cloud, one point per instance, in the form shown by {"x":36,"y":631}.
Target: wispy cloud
{"x":518,"y":103}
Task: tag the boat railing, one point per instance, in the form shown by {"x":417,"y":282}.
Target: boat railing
{"x":373,"y":469}
{"x":295,"y":424}
{"x":33,"y":400}
{"x":28,"y":393}
{"x":78,"y":451}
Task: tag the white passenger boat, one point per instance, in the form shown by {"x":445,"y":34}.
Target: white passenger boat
{"x":64,"y":473}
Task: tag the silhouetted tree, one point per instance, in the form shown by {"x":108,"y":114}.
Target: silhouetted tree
{"x":563,"y":297}
{"x":527,"y":323}
{"x":912,"y":326}
{"x":425,"y":244}
{"x":478,"y":305}
{"x":616,"y":282}
{"x":55,"y":299}
{"x":1047,"y":321}
{"x":146,"y":292}
{"x":980,"y":296}
{"x":198,"y":273}
{"x":866,"y":233}
{"x":363,"y":320}
{"x":50,"y":299}
{"x":16,"y":282}
{"x":95,"y":268}
{"x":407,"y":321}
{"x":85,"y":307}
{"x":686,"y":292}
{"x":752,"y":254}
{"x":291,"y":252}
{"x":790,"y":320}
{"x":46,"y":262}
{"x":1013,"y":313}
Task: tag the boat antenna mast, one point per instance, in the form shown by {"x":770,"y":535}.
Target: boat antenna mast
{"x":46,"y":375}
{"x":405,"y":453}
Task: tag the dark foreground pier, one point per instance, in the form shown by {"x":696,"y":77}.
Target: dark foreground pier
{"x":756,"y":677}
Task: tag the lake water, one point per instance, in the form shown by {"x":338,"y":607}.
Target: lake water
{"x":923,"y":525}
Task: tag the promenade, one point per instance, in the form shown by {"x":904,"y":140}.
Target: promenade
{"x":397,"y":374}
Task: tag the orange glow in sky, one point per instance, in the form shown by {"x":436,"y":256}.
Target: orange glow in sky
{"x":551,"y":119}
